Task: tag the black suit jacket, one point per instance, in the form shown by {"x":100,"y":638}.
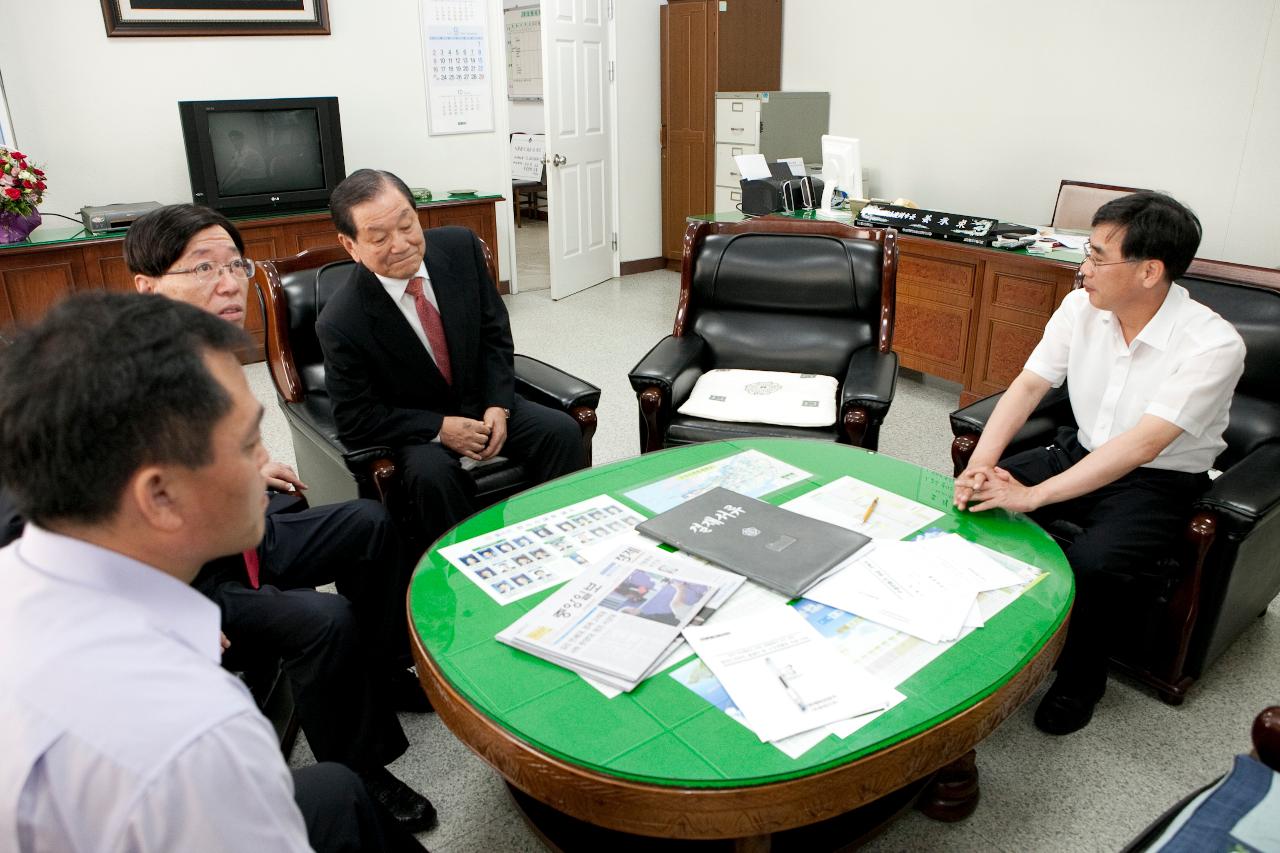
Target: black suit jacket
{"x":384,"y":387}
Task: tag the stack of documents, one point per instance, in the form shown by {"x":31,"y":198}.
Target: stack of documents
{"x":927,"y":587}
{"x":783,"y":676}
{"x":617,"y":621}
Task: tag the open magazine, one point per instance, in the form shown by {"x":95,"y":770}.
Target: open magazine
{"x":616,"y":620}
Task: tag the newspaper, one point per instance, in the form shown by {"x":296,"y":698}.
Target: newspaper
{"x":618,"y":618}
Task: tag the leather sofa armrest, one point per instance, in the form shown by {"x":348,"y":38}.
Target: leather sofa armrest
{"x":673,"y":366}
{"x":358,"y":461}
{"x":1247,"y":492}
{"x":550,"y":386}
{"x":869,"y":382}
{"x":1050,"y":413}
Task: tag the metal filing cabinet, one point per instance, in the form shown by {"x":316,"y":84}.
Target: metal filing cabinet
{"x":775,"y":124}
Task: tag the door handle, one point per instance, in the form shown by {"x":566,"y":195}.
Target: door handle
{"x":558,"y":160}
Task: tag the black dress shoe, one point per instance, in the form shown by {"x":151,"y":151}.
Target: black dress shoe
{"x":1061,"y":712}
{"x":411,"y":810}
{"x":407,"y":694}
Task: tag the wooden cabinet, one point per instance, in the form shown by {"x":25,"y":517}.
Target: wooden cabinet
{"x":971,"y":314}
{"x":707,"y":46}
{"x":33,"y":276}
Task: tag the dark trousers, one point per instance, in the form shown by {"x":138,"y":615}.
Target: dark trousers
{"x":340,"y":815}
{"x":546,"y":441}
{"x":1126,"y":527}
{"x":338,"y":650}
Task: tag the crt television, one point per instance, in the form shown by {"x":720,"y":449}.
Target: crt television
{"x":258,"y":156}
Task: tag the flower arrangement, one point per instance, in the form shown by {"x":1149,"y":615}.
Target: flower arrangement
{"x":21,"y":183}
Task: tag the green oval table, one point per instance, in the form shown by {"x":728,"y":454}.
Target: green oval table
{"x":661,"y":761}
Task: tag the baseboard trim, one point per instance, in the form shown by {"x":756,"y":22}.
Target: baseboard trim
{"x":642,"y":265}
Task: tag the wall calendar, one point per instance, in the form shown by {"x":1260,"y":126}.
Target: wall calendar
{"x":455,"y":38}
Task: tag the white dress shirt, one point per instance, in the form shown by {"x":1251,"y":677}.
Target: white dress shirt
{"x":120,"y":730}
{"x":396,"y":288}
{"x":1182,"y":367}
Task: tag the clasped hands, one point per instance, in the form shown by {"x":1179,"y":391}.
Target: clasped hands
{"x":990,"y":486}
{"x":476,"y":439}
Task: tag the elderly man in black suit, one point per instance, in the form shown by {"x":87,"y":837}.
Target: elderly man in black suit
{"x":418,"y":355}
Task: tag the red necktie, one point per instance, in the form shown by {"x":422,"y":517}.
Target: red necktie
{"x":430,"y":319}
{"x":251,"y":566}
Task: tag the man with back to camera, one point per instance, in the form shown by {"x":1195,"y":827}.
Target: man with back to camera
{"x":343,"y":654}
{"x":130,"y":440}
{"x":418,"y":355}
{"x":1151,"y":374}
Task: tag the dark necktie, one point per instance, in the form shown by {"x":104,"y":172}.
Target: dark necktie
{"x":429,"y":317}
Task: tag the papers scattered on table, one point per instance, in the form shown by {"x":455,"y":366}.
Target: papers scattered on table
{"x":751,"y":473}
{"x":927,"y":588}
{"x":889,"y":655}
{"x":617,"y":620}
{"x":533,"y":555}
{"x":782,"y":676}
{"x":1074,"y":242}
{"x":846,"y":502}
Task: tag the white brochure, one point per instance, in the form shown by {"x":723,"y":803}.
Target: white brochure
{"x":782,"y":675}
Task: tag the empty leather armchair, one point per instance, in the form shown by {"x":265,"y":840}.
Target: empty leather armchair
{"x":794,"y":296}
{"x":293,"y":291}
{"x":1226,"y":570}
{"x":1078,"y":201}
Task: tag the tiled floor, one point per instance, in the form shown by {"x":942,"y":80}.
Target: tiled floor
{"x":1090,"y":791}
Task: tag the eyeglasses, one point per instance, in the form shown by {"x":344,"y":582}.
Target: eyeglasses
{"x":1088,"y":256}
{"x":206,"y":272}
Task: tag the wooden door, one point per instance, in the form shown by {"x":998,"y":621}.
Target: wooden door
{"x":688,"y":116}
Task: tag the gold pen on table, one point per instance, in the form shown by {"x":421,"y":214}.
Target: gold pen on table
{"x":866,"y":516}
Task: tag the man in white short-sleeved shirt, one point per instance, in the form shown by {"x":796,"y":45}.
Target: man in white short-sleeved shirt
{"x":1151,"y":375}
{"x":130,"y":440}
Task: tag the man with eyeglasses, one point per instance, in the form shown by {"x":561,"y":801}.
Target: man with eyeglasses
{"x":1151,"y":374}
{"x":345,"y":654}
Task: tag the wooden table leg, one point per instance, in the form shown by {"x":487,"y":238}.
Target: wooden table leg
{"x":953,"y":793}
{"x":753,"y":844}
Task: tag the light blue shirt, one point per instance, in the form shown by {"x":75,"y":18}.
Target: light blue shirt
{"x":120,"y":730}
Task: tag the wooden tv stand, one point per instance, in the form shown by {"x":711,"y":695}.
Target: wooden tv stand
{"x":36,"y":274}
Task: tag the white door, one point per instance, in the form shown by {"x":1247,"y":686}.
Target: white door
{"x":579,"y":164}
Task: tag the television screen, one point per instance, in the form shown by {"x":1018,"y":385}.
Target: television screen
{"x":258,"y":151}
{"x":262,"y":155}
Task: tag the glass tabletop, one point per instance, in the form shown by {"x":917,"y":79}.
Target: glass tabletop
{"x":663,"y":733}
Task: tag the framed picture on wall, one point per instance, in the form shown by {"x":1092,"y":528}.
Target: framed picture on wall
{"x":6,"y":122}
{"x":216,"y":17}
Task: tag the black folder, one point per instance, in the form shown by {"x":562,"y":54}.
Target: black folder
{"x":780,"y":549}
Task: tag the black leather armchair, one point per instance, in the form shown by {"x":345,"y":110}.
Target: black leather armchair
{"x":1226,"y":571}
{"x":784,"y":295}
{"x":293,"y":291}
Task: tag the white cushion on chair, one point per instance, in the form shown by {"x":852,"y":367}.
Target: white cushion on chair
{"x":765,"y":397}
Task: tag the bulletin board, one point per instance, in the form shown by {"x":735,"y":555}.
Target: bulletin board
{"x":455,"y":35}
{"x":524,"y":53}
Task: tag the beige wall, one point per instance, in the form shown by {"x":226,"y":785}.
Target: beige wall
{"x":982,"y":108}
